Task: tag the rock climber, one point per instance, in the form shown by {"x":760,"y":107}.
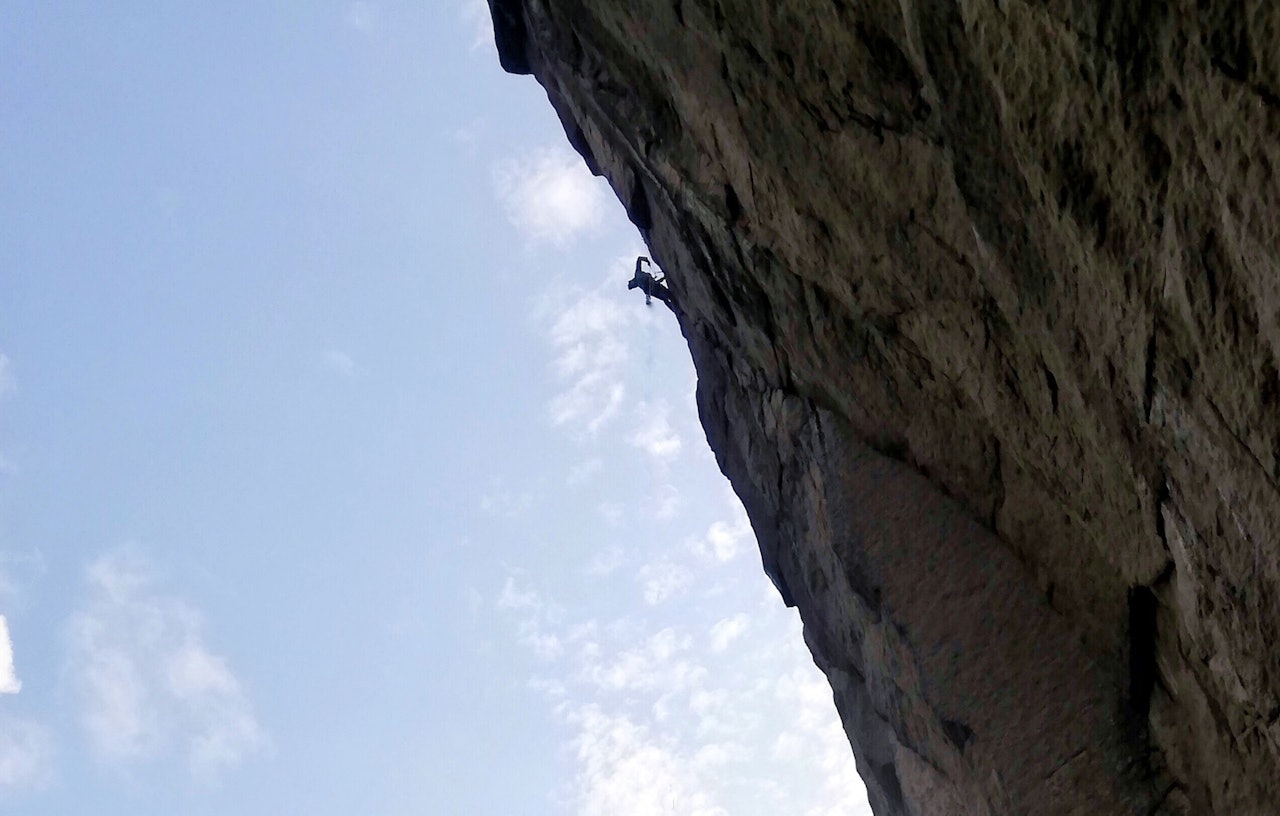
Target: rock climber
{"x":651,"y":286}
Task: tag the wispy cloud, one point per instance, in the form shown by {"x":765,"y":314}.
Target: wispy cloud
{"x":475,"y":16}
{"x":582,"y":472}
{"x":612,"y":512}
{"x":8,"y":384}
{"x":606,"y":563}
{"x":500,"y":500}
{"x":536,"y":626}
{"x":516,"y":597}
{"x":549,"y":195}
{"x":590,"y":352}
{"x":148,"y":685}
{"x":26,"y":747}
{"x":340,"y":362}
{"x":663,"y":661}
{"x":468,"y":137}
{"x":818,"y":739}
{"x":9,"y":682}
{"x":654,"y":434}
{"x":26,"y":754}
{"x":666,"y":501}
{"x":659,"y":723}
{"x":724,"y":540}
{"x":663,"y":580}
{"x":627,"y":770}
{"x":361,"y":15}
{"x":725,"y":631}
{"x":670,"y":708}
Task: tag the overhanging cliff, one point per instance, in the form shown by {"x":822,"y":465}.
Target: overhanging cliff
{"x":983,"y":301}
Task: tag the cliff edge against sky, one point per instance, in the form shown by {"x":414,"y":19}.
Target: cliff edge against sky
{"x":983,"y":297}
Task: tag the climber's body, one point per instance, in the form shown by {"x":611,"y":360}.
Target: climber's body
{"x":651,"y":286}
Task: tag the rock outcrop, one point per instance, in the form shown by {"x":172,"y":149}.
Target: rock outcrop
{"x":983,"y":299}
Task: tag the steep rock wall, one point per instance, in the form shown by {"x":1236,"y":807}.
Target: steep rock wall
{"x":983,"y":301}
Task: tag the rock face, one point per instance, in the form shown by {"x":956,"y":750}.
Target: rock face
{"x":983,"y":299}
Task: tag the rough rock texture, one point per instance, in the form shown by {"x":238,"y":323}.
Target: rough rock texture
{"x":983,"y":299}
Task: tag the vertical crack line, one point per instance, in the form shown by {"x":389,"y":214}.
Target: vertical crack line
{"x":1143,"y":671}
{"x":1149,"y":376}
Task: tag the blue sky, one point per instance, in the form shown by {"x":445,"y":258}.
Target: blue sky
{"x":339,"y":471}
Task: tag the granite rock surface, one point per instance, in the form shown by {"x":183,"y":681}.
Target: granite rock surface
{"x":983,"y":297}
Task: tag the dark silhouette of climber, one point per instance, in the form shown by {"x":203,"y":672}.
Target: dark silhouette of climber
{"x":651,"y":286}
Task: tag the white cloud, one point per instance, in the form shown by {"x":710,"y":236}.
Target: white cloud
{"x":654,"y":434}
{"x":148,"y":685}
{"x":26,"y":754}
{"x":724,"y":540}
{"x":726,"y":631}
{"x":550,"y":196}
{"x":340,"y":362}
{"x":663,"y":580}
{"x":9,"y":682}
